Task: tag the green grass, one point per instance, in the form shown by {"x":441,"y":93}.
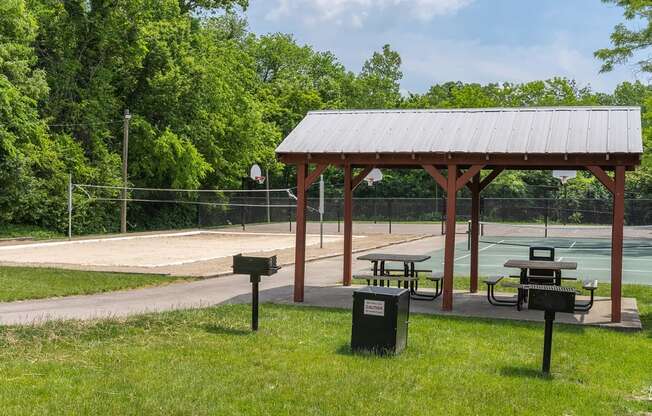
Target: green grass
{"x":206,"y":361}
{"x":18,"y":283}
{"x":18,"y":230}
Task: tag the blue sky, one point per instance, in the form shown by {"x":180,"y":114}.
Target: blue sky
{"x":468,"y":40}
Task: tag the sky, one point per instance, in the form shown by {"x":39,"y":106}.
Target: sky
{"x":456,"y":40}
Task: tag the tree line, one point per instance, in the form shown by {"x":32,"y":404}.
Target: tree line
{"x":208,"y":98}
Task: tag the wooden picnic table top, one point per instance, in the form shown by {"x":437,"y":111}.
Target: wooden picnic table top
{"x":405,"y":258}
{"x":541,"y":264}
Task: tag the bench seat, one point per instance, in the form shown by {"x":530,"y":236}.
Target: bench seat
{"x":591,"y":286}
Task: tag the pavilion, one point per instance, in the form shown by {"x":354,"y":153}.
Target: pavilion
{"x":464,"y":142}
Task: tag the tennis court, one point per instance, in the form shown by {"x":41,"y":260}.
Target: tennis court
{"x":589,"y":246}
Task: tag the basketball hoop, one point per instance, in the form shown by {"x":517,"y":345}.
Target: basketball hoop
{"x":256,"y":174}
{"x":374,"y":176}
{"x":564,"y":175}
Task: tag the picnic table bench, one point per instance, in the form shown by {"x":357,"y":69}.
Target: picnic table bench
{"x":590,"y":285}
{"x":408,"y":273}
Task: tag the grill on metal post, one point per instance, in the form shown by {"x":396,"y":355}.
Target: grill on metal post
{"x":254,"y":267}
{"x":550,"y":299}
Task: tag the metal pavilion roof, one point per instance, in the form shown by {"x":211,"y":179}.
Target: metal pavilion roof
{"x":545,"y":130}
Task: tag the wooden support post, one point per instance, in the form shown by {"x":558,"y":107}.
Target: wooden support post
{"x":475,"y":231}
{"x":348,"y":224}
{"x":300,"y":246}
{"x":617,"y":242}
{"x":449,"y":248}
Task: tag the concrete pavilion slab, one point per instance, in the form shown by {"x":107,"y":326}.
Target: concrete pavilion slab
{"x":473,"y":305}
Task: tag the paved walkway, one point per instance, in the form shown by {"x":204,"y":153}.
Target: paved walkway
{"x":326,"y":272}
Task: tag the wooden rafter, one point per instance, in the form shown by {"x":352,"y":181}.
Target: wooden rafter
{"x":602,"y":176}
{"x":436,"y":174}
{"x":466,"y":176}
{"x":490,"y":177}
{"x":360,"y":176}
{"x":314,"y":175}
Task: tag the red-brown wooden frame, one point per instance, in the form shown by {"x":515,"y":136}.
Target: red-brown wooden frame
{"x":455,"y":180}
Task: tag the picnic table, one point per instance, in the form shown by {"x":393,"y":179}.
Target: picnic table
{"x":381,"y":271}
{"x":525,"y":278}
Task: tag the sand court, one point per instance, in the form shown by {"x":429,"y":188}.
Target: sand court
{"x":153,"y":250}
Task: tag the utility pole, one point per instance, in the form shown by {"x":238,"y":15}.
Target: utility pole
{"x":125,"y":156}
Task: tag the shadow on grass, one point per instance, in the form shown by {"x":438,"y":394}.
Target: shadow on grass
{"x":524,"y":372}
{"x":223,"y":330}
{"x":344,"y":349}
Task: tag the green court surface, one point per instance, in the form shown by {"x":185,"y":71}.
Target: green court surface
{"x":593,"y":258}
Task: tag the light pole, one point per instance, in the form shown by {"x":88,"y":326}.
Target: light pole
{"x":125,"y":156}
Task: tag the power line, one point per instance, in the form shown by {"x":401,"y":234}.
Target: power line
{"x":84,"y":124}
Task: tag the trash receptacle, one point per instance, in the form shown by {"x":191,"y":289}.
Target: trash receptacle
{"x":380,"y":319}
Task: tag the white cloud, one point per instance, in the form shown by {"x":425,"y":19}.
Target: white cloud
{"x":355,"y":12}
{"x":474,"y":61}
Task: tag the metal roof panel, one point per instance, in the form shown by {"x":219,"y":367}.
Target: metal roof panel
{"x":555,"y":130}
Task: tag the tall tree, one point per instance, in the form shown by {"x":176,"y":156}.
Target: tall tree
{"x":627,"y":41}
{"x":379,"y":80}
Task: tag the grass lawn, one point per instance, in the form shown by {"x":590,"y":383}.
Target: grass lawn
{"x":18,"y":283}
{"x":207,"y":362}
{"x":18,"y":230}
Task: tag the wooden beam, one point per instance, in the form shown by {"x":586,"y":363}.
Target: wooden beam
{"x":466,"y":176}
{"x":602,"y":176}
{"x":436,"y":174}
{"x":617,"y":243}
{"x":577,"y":161}
{"x":360,"y":176}
{"x":475,"y":231}
{"x":490,"y":177}
{"x":312,"y":177}
{"x":348,"y":225}
{"x":300,"y":236}
{"x":449,"y":246}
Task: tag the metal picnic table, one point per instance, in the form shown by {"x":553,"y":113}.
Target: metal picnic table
{"x":378,"y":261}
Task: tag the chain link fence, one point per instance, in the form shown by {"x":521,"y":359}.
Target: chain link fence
{"x":252,"y":210}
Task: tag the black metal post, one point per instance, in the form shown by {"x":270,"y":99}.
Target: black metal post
{"x":547,"y":341}
{"x":339,"y":203}
{"x":468,"y":236}
{"x":389,"y":214}
{"x":242,"y":217}
{"x":545,"y":220}
{"x":254,"y":301}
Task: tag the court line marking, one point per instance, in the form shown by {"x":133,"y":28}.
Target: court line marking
{"x":479,"y":250}
{"x":149,"y":236}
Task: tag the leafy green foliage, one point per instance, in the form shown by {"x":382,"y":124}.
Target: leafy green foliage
{"x":627,"y":42}
{"x":208,"y":100}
